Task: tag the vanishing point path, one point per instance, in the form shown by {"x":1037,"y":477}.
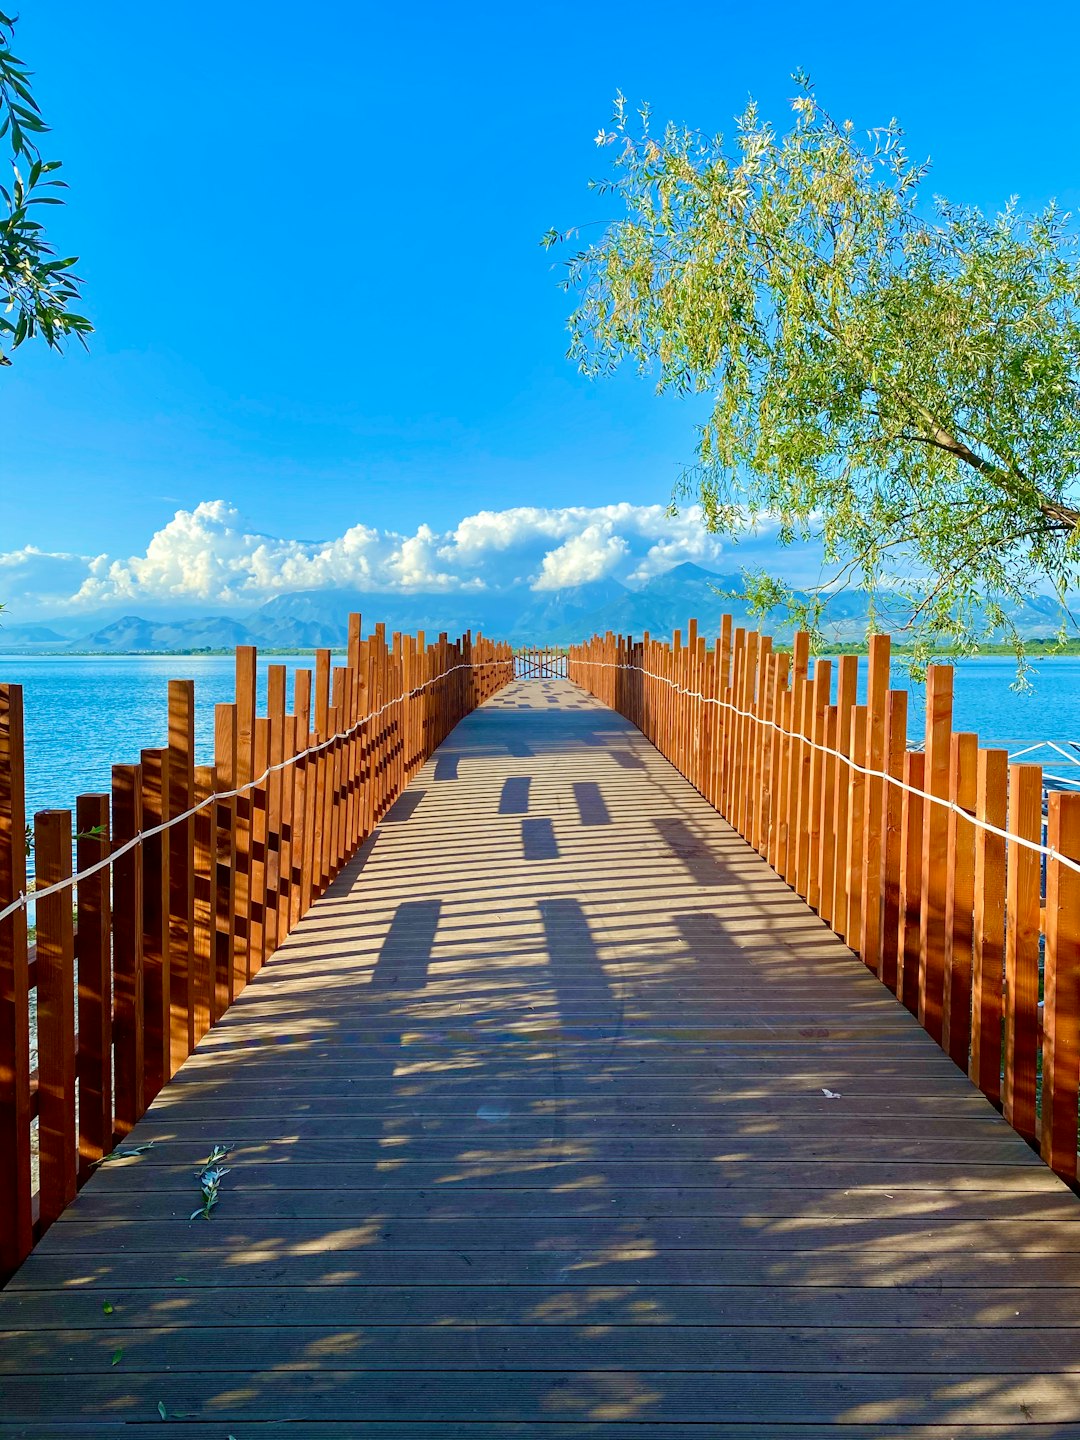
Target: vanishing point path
{"x":560,"y":1115}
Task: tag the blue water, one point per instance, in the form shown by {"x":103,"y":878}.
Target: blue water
{"x":84,"y":714}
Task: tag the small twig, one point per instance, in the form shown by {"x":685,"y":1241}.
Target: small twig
{"x":210,"y":1177}
{"x":124,"y":1152}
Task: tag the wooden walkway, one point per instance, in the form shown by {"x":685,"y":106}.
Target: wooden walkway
{"x":560,"y":1115}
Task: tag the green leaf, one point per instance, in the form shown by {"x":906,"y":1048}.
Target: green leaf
{"x":117,"y":1356}
{"x":161,"y":1410}
{"x":107,"y":1308}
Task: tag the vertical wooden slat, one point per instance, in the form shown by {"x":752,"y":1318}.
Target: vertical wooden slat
{"x":128,"y":1053}
{"x":911,"y":835}
{"x":275,"y":790}
{"x":246,"y":663}
{"x":1061,"y":988}
{"x":93,"y":948}
{"x":892,"y":851}
{"x":877,"y":686}
{"x":228,"y":975}
{"x":181,"y":845}
{"x":819,"y":704}
{"x":935,"y":842}
{"x":57,"y":1139}
{"x":204,"y":876}
{"x":303,"y":804}
{"x":846,"y":691}
{"x":16,"y":1213}
{"x":988,"y":940}
{"x":959,"y":899}
{"x":260,"y":829}
{"x":156,"y":933}
{"x":827,"y":877}
{"x":857,"y":745}
{"x":1023,"y":895}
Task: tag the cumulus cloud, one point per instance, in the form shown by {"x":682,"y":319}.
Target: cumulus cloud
{"x":210,"y":556}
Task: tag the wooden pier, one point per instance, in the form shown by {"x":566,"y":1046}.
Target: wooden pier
{"x":559,"y":1114}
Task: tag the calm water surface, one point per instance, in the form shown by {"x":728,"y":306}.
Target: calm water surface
{"x":84,"y":714}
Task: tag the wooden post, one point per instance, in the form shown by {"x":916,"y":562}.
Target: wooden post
{"x":911,"y":841}
{"x":16,"y":1212}
{"x":1023,"y":895}
{"x":93,"y":947}
{"x":128,"y":1053}
{"x":988,"y":939}
{"x":856,"y":830}
{"x":870,"y":941}
{"x":939,"y":693}
{"x":246,"y":664}
{"x":1061,"y":988}
{"x":156,"y":935}
{"x":57,"y":1139}
{"x":181,"y":848}
{"x":204,"y":876}
{"x":846,"y":692}
{"x":895,"y":749}
{"x":228,"y":973}
{"x":960,"y":899}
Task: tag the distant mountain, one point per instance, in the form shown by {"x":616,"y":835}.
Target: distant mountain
{"x":306,"y":620}
{"x":133,"y":633}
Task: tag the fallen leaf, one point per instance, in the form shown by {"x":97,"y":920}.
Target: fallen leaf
{"x":117,"y":1356}
{"x":161,"y":1410}
{"x":107,"y":1308}
{"x":831,"y":1094}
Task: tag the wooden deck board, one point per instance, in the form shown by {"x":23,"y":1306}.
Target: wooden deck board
{"x":530,"y":1137}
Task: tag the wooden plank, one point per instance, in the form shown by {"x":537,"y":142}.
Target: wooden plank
{"x":228,"y":972}
{"x":1061,"y":988}
{"x":960,"y":898}
{"x":871,"y":887}
{"x":181,"y":848}
{"x":846,"y":691}
{"x":935,"y":841}
{"x":892,"y":849}
{"x":204,"y":872}
{"x":16,"y":1216}
{"x":1023,"y":898}
{"x":93,"y":949}
{"x":156,"y":958}
{"x":245,"y":742}
{"x":988,"y":939}
{"x":129,"y":1100}
{"x":58,"y":1140}
{"x":857,"y":748}
{"x":911,"y":838}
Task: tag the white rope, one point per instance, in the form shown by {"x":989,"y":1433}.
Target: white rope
{"x":1047,"y":850}
{"x":23,"y":900}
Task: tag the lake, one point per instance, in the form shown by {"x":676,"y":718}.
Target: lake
{"x":86,"y":713}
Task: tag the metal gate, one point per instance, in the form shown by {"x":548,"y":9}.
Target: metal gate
{"x":541,"y":665}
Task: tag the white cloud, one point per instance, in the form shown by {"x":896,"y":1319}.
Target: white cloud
{"x":209,"y":557}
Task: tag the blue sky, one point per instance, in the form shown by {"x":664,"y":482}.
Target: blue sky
{"x":310,"y":243}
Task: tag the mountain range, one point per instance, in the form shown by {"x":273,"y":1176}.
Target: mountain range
{"x":305,"y":620}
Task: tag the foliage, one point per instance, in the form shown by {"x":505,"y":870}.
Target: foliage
{"x":897,"y":379}
{"x":36,"y":287}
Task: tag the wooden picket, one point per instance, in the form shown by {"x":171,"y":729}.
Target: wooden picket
{"x":166,"y":935}
{"x":926,"y":862}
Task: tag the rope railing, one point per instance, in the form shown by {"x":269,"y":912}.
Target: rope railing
{"x":71,"y":882}
{"x":1047,"y":851}
{"x":935,"y":864}
{"x":167,"y":895}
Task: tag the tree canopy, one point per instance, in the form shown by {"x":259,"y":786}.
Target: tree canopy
{"x":37,"y":288}
{"x":895,"y":376}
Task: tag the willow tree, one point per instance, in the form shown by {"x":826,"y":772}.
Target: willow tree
{"x":893,"y":376}
{"x":37,"y":287}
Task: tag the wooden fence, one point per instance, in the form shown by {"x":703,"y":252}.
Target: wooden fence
{"x":931,"y":864}
{"x":545,"y":664}
{"x":191,"y":876}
